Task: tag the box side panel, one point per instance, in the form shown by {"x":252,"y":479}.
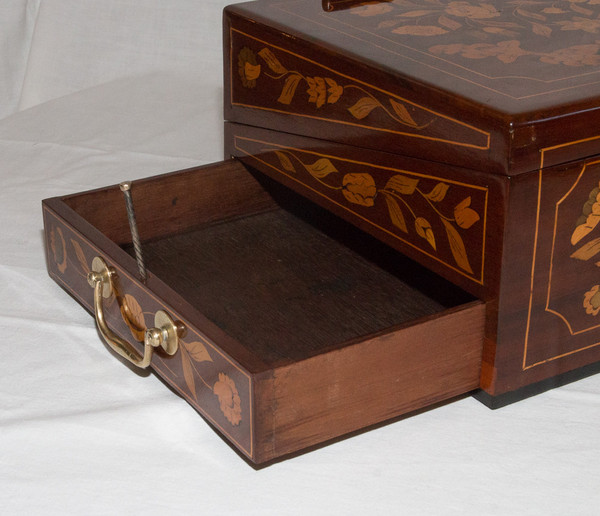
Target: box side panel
{"x":330,"y":395}
{"x":200,"y":372}
{"x":548,"y":322}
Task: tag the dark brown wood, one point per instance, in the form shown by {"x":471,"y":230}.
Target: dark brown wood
{"x":265,"y":293}
{"x":480,"y":86}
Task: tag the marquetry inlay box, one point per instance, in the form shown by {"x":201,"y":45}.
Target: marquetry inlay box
{"x":410,"y":213}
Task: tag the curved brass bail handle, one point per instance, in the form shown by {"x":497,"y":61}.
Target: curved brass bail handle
{"x":165,"y":334}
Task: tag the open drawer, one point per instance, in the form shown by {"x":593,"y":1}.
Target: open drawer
{"x":295,"y":327}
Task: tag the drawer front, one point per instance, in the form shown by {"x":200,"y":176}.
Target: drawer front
{"x":200,"y":372}
{"x":446,"y":218}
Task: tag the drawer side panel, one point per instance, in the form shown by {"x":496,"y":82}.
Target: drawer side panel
{"x":372,"y":381}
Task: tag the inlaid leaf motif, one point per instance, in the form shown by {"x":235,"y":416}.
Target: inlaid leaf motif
{"x":133,"y":316}
{"x":424,"y":230}
{"x":415,"y":14}
{"x":585,"y":229}
{"x":403,"y":113}
{"x":420,"y":30}
{"x":587,"y":251}
{"x":272,"y":62}
{"x":285,"y":161}
{"x":289,"y":89}
{"x":402,"y":184}
{"x":188,"y":373}
{"x":438,"y":193}
{"x":449,"y":23}
{"x":58,"y":246}
{"x":363,"y":107}
{"x":396,"y":213}
{"x":541,"y":30}
{"x":581,"y":10}
{"x":321,"y":168}
{"x":457,"y":247}
{"x":80,"y":256}
{"x":197,"y":351}
{"x":528,"y":14}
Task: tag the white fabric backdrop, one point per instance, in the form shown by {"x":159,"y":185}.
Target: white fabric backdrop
{"x":94,"y":92}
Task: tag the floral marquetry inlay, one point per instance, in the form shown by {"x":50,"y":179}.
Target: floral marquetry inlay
{"x":317,"y":90}
{"x":493,"y":30}
{"x":275,"y":79}
{"x":441,"y":217}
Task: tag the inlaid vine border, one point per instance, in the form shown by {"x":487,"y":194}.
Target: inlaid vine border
{"x":360,"y":189}
{"x":323,"y":90}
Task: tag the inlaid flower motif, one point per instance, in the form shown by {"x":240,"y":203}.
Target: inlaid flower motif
{"x":248,"y":67}
{"x":335,"y":91}
{"x":464,"y":215}
{"x":474,"y":12}
{"x":58,"y":246}
{"x":372,"y":9}
{"x":577,"y":23}
{"x":229,"y":399}
{"x":591,"y":301}
{"x":317,"y":91}
{"x":359,"y":189}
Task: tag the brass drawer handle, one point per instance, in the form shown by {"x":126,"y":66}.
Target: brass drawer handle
{"x":165,"y":334}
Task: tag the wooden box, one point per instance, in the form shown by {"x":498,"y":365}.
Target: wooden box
{"x":410,"y":214}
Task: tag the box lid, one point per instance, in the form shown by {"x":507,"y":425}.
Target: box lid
{"x":486,"y":86}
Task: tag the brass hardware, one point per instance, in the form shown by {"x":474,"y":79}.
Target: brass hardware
{"x":165,"y":334}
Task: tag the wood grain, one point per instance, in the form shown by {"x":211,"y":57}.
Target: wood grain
{"x":383,"y":377}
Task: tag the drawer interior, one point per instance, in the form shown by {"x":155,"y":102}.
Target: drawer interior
{"x":282,"y":276}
